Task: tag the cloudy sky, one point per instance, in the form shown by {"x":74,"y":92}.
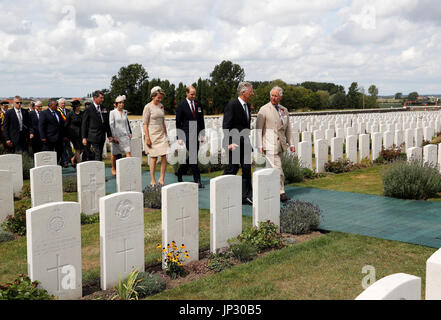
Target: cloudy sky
{"x":70,"y":48}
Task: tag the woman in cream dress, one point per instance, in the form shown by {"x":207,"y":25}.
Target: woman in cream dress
{"x":156,"y":133}
{"x":121,"y":132}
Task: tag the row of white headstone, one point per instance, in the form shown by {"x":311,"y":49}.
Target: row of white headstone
{"x":54,"y":232}
{"x":402,"y":286}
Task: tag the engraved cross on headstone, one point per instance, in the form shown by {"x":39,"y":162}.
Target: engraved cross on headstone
{"x":57,"y":268}
{"x":182,"y":221}
{"x":92,"y":188}
{"x":228,"y":209}
{"x":268,"y":199}
{"x":125,"y":251}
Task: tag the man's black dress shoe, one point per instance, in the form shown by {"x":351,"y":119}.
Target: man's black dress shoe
{"x":179,"y":176}
{"x":200,"y":185}
{"x":284,"y":197}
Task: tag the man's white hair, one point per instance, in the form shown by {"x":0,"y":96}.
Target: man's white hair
{"x":279,"y":89}
{"x":242,"y":87}
{"x":61,"y":100}
{"x":38,"y":103}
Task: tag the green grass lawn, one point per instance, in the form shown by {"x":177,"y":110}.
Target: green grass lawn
{"x":327,"y":267}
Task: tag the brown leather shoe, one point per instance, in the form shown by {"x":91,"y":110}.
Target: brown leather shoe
{"x":284,"y":197}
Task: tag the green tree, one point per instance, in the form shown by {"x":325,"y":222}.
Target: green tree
{"x":338,"y":101}
{"x":130,"y":82}
{"x":398,"y":96}
{"x":353,"y":96}
{"x":413,"y":96}
{"x":224,"y":79}
{"x":324,"y":99}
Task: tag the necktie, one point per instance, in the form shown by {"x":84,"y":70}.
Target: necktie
{"x":55,"y":115}
{"x":20,"y":119}
{"x":245,"y":107}
{"x":278,"y":111}
{"x":193,"y":110}
{"x":38,"y":115}
{"x":101,"y":115}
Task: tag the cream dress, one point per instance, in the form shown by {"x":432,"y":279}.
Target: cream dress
{"x":153,"y":117}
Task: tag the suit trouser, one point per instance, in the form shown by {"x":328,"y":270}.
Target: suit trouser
{"x":22,"y":145}
{"x":37,"y":145}
{"x":233,"y":168}
{"x":274,"y":160}
{"x":97,"y":150}
{"x":183,"y":168}
{"x":67,"y":152}
{"x":54,"y":146}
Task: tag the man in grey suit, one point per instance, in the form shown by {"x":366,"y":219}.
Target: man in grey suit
{"x":274,"y":134}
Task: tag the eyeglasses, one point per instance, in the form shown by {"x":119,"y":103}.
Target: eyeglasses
{"x":18,"y":102}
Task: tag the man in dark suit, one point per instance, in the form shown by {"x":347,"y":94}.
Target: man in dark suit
{"x":16,"y":127}
{"x":95,"y":125}
{"x":236,"y":127}
{"x":190,"y":120}
{"x":34,"y":129}
{"x":51,"y":127}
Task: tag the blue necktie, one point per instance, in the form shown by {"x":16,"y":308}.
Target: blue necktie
{"x":55,"y":115}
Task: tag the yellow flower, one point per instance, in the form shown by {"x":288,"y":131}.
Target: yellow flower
{"x":158,"y":246}
{"x":180,"y":264}
{"x":168,"y":246}
{"x":187,"y":257}
{"x":164,"y":250}
{"x":182,"y":246}
{"x":169,"y":254}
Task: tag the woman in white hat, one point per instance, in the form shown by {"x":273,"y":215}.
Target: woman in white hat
{"x":121,"y":132}
{"x":156,"y":133}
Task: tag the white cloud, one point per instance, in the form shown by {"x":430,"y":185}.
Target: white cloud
{"x":72,"y":47}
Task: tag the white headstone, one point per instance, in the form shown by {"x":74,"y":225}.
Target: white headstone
{"x":419,"y":136}
{"x":13,"y":163}
{"x":180,"y":217}
{"x":305,"y":154}
{"x":45,"y":158}
{"x":91,"y":184}
{"x":377,"y":138}
{"x":433,"y":276}
{"x":128,"y":175}
{"x":388,"y":139}
{"x":363,"y":146}
{"x":266,"y":196}
{"x":428,"y":133}
{"x":398,"y":286}
{"x":414,"y":154}
{"x":46,"y":185}
{"x":53,"y":237}
{"x":321,"y":155}
{"x":351,"y":148}
{"x":136,"y":148}
{"x":306,"y":137}
{"x":398,"y":138}
{"x":6,"y":195}
{"x":340,"y":133}
{"x":409,"y":138}
{"x":121,"y":236}
{"x":430,"y":154}
{"x":225,"y":210}
{"x":336,"y":149}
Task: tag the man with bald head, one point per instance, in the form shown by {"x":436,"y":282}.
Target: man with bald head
{"x":190,"y":122}
{"x":274,"y":134}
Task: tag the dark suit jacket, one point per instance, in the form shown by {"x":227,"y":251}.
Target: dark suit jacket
{"x":34,"y":128}
{"x":12,"y":126}
{"x":50,"y":129}
{"x":184,"y":116}
{"x":92,"y":128}
{"x":236,"y":118}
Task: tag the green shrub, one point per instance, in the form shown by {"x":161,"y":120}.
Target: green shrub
{"x":299,"y":217}
{"x":126,"y":289}
{"x":23,"y":289}
{"x":6,"y":236}
{"x":391,"y":154}
{"x":263,"y":237}
{"x":291,"y":168}
{"x":339,"y":166}
{"x":26,"y":191}
{"x":89,"y":219}
{"x":243,"y":251}
{"x":308,"y":173}
{"x":411,"y":180}
{"x":28,"y":164}
{"x":16,"y":223}
{"x":69,"y":184}
{"x":152,"y":197}
{"x":219,"y":261}
{"x":148,"y":284}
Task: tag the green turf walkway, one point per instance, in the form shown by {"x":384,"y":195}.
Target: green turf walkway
{"x":410,"y":221}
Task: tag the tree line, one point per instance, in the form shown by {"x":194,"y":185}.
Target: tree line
{"x":215,"y":92}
